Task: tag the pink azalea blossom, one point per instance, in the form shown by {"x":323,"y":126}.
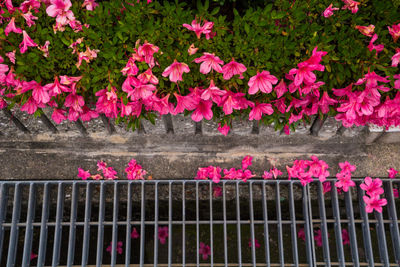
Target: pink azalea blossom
{"x":135,"y":171}
{"x":345,"y":237}
{"x":130,"y":68}
{"x":260,"y":109}
{"x":256,"y":244}
{"x":162,"y":234}
{"x":267,"y":175}
{"x":246,"y":162}
{"x":217,"y":191}
{"x":374,"y":203}
{"x":214,"y":173}
{"x":31,"y":106}
{"x":262,"y":81}
{"x":29,"y":18}
{"x":74,"y":101}
{"x":83,"y":174}
{"x":392,"y":173}
{"x":203,"y":110}
{"x":395,"y":192}
{"x":90,"y":4}
{"x":175,"y":71}
{"x":134,"y":233}
{"x":147,"y":51}
{"x":396,"y":58}
{"x":33,"y":256}
{"x":329,"y":11}
{"x":184,"y":102}
{"x":367,"y":30}
{"x":301,"y":234}
{"x":58,"y":116}
{"x":318,"y":237}
{"x":118,"y":248}
{"x":318,"y":168}
{"x":233,"y":68}
{"x":204,"y":250}
{"x":11,"y":56}
{"x":351,"y":5}
{"x":192,"y":50}
{"x":280,"y":89}
{"x":45,"y":48}
{"x":12,"y":28}
{"x":344,"y":181}
{"x":58,"y":7}
{"x":377,"y":48}
{"x":147,"y":77}
{"x":198,"y":29}
{"x":26,"y":42}
{"x":213,"y":92}
{"x":395,"y":32}
{"x":109,"y":173}
{"x":275,"y":172}
{"x":209,"y":61}
{"x":347,"y":167}
{"x":326,"y":187}
{"x":223,"y":129}
{"x":68,"y":80}
{"x":372,"y":187}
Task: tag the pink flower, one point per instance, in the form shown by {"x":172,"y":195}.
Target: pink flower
{"x":326,"y":187}
{"x":217,"y":191}
{"x":318,"y":168}
{"x":175,"y":71}
{"x":347,"y":167}
{"x":301,"y":234}
{"x":118,"y":248}
{"x":134,"y":171}
{"x":74,"y":101}
{"x":31,"y":106}
{"x":192,"y":50}
{"x":233,"y":68}
{"x":246,"y":162}
{"x":372,"y":187}
{"x":345,"y":237}
{"x":109,"y":173}
{"x":224,"y":129}
{"x":205,"y":29}
{"x":256,"y":244}
{"x":203,"y":110}
{"x":29,"y":18}
{"x":90,"y":4}
{"x":33,"y":256}
{"x":204,"y":250}
{"x":371,"y":46}
{"x":83,"y":174}
{"x":395,"y":32}
{"x":262,"y":81}
{"x":329,"y":11}
{"x":11,"y":56}
{"x":392,"y":173}
{"x":45,"y":48}
{"x":374,"y":203}
{"x":213,"y":92}
{"x":210,"y":61}
{"x":148,"y":77}
{"x":147,"y":51}
{"x":396,"y":192}
{"x":58,"y":116}
{"x":351,"y":5}
{"x":12,"y":28}
{"x":134,"y":234}
{"x":101,"y":165}
{"x":267,"y":175}
{"x":396,"y":58}
{"x":280,"y":89}
{"x":318,"y":237}
{"x":58,"y":7}
{"x":184,"y":102}
{"x":344,"y":181}
{"x":162,"y":234}
{"x":26,"y":42}
{"x":366,"y":30}
{"x":260,"y":109}
{"x":275,"y":172}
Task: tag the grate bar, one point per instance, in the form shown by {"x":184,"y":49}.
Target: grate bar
{"x":58,"y":228}
{"x":338,"y":227}
{"x":365,"y":228}
{"x":307,"y":229}
{"x":279,"y":216}
{"x":225,"y":226}
{"x":86,"y":228}
{"x":3,"y":212}
{"x":129,"y":229}
{"x":380,"y":232}
{"x":156,"y":225}
{"x":100,"y":229}
{"x":115,"y":226}
{"x":142,"y":225}
{"x":29,"y":228}
{"x":183,"y":225}
{"x":293,"y":225}
{"x":14,"y":228}
{"x":72,"y":229}
{"x":394,"y":225}
{"x":266,"y":232}
{"x":324,"y":227}
{"x":197,"y":226}
{"x":252,"y":237}
{"x":239,"y":234}
{"x":211,"y":227}
{"x":43,"y":226}
{"x":170,"y":224}
{"x":352,"y":228}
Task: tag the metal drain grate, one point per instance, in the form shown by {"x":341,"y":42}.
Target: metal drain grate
{"x":71,"y":223}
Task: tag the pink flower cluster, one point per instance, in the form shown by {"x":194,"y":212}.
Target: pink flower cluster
{"x":60,"y":9}
{"x":373,"y":188}
{"x":134,"y":171}
{"x":206,"y":29}
{"x":305,"y":170}
{"x":344,"y":176}
{"x":214,"y":172}
{"x":118,"y":248}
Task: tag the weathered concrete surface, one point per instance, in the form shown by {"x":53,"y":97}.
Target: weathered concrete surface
{"x":48,"y":156}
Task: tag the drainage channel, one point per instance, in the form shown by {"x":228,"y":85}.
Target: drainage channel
{"x":167,"y":223}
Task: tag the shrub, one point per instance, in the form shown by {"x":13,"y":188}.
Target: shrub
{"x":275,"y":37}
